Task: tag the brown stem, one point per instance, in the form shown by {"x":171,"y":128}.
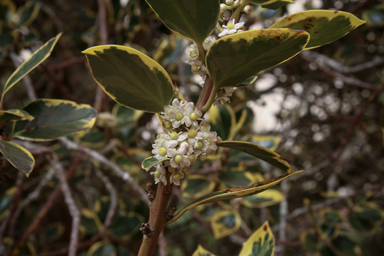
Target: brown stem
{"x":157,"y":218}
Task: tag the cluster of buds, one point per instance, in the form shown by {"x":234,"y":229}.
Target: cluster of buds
{"x":194,"y":57}
{"x":186,"y":138}
{"x":232,"y":4}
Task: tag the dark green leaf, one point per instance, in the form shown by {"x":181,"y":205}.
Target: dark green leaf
{"x":258,"y":151}
{"x":324,"y":26}
{"x":54,"y":119}
{"x":28,"y":13}
{"x":252,"y":51}
{"x":193,"y":19}
{"x":130,"y":77}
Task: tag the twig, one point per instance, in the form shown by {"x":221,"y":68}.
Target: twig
{"x":112,"y":207}
{"x":303,"y":210}
{"x":31,"y":197}
{"x":7,"y":219}
{"x":283,"y":215}
{"x":66,"y":63}
{"x":102,"y":20}
{"x":118,"y":171}
{"x":345,"y":79}
{"x":48,"y":204}
{"x":74,"y":212}
{"x":340,"y":67}
{"x":27,"y":80}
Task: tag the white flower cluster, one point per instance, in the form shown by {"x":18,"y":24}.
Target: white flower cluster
{"x":194,"y":58}
{"x":187,"y":137}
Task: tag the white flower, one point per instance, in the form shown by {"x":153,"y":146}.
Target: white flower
{"x":231,"y":28}
{"x":179,"y":157}
{"x":193,"y":52}
{"x":163,"y":142}
{"x":176,"y":177}
{"x":208,"y":42}
{"x":174,"y":114}
{"x":159,"y":174}
{"x":192,"y":115}
{"x":223,"y":95}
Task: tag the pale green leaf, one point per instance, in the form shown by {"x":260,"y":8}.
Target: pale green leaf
{"x":18,"y":156}
{"x":130,"y":77}
{"x":235,"y":58}
{"x":54,"y":119}
{"x":27,"y":66}
{"x":323,"y":26}
{"x":151,"y":161}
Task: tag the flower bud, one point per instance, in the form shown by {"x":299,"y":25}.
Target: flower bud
{"x":171,"y":169}
{"x":167,"y":124}
{"x":247,"y":9}
{"x":229,"y":2}
{"x":203,"y":157}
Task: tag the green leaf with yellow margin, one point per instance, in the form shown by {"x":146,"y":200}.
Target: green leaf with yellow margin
{"x":223,"y":121}
{"x":225,"y":223}
{"x":149,"y":162}
{"x":257,"y":151}
{"x":276,"y":5}
{"x":264,"y":199}
{"x":193,"y":19}
{"x":5,"y":201}
{"x":252,"y":51}
{"x":200,"y":251}
{"x":261,"y":243}
{"x":18,"y":156}
{"x":232,"y":193}
{"x":260,"y":2}
{"x":52,"y":232}
{"x":27,"y":66}
{"x":324,"y":26}
{"x":89,"y":222}
{"x":197,"y":185}
{"x":28,"y":13}
{"x":7,"y":9}
{"x":54,"y":119}
{"x":269,"y":142}
{"x":14,"y":115}
{"x":130,"y":77}
{"x":125,"y":225}
{"x":102,"y":248}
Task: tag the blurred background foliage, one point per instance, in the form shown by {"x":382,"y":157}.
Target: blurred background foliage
{"x":322,"y":111}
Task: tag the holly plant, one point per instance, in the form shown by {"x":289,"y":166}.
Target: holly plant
{"x":226,"y":58}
